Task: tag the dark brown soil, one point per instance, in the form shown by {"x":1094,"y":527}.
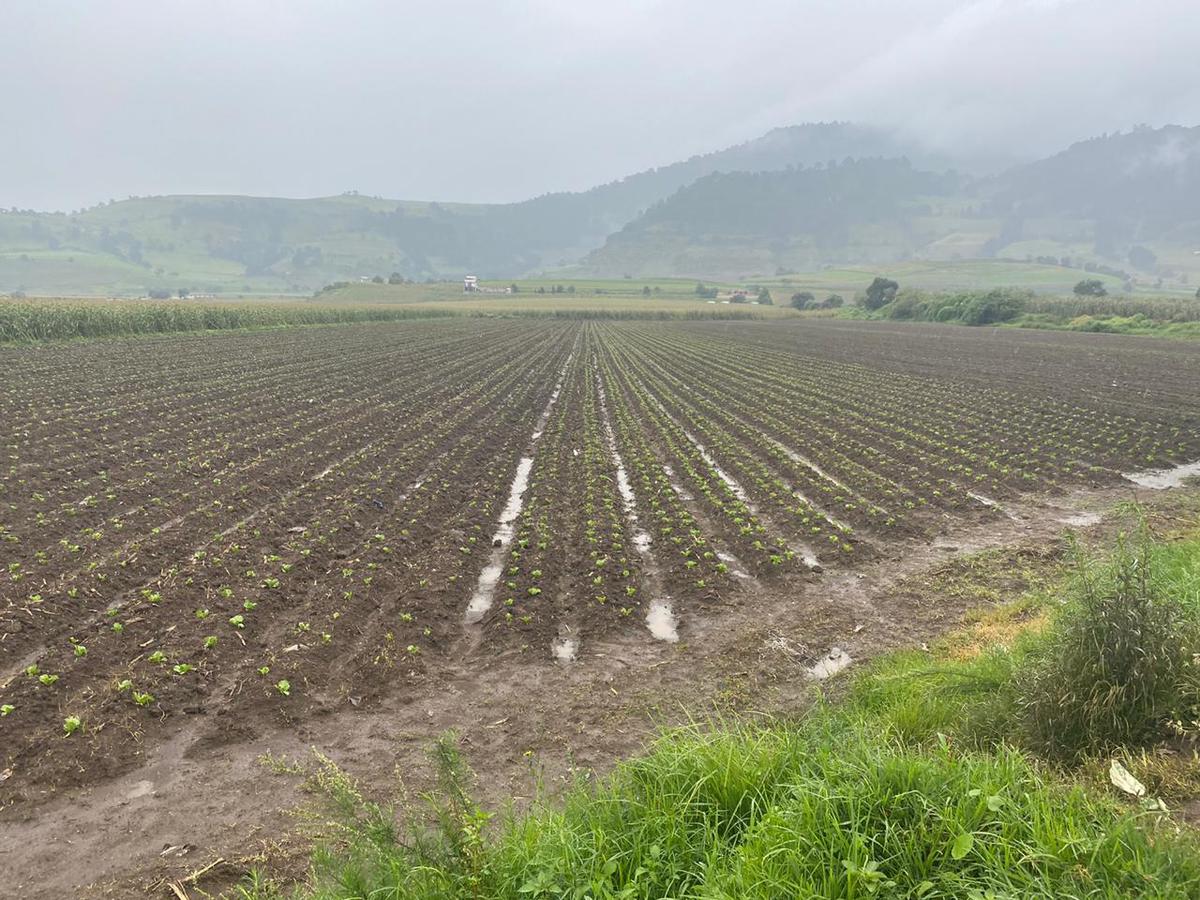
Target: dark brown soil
{"x":339,"y":489}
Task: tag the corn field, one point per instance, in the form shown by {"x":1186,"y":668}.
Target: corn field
{"x":32,"y":321}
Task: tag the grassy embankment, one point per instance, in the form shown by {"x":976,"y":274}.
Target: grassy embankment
{"x":979,"y":769}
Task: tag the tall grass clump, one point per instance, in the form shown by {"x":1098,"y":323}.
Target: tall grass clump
{"x":1119,"y":668}
{"x":1114,"y":664}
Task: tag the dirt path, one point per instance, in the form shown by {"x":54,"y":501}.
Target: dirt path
{"x":195,"y":800}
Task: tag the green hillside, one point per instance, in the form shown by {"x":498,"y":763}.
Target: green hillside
{"x":1121,"y":206}
{"x":800,"y":199}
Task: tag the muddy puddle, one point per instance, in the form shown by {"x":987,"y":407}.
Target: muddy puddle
{"x":565,"y":648}
{"x":485,"y":589}
{"x":661,"y":620}
{"x":1162,"y":479}
{"x":830,"y":664}
{"x":993,"y":504}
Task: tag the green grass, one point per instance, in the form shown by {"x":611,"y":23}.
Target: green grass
{"x":1112,"y":664}
{"x":925,"y":780}
{"x":835,"y":806}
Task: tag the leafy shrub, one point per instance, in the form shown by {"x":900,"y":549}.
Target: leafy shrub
{"x":880,"y":293}
{"x":995,"y":306}
{"x":967,"y":307}
{"x":1118,"y":666}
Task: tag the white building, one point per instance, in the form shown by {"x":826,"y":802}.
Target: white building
{"x":470,"y":284}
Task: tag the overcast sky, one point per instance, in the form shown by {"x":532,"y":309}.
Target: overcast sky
{"x":504,"y":99}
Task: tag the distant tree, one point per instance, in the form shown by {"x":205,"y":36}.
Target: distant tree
{"x":183,"y":292}
{"x":803,"y":300}
{"x":541,"y":290}
{"x":880,"y":293}
{"x":1143,"y":258}
{"x":646,"y":291}
{"x":378,"y":279}
{"x":998,"y":305}
{"x":395,"y":278}
{"x":1198,"y":293}
{"x":1091,"y":287}
{"x":160,"y":294}
{"x":570,"y":289}
{"x":833,"y":301}
{"x":764,"y":297}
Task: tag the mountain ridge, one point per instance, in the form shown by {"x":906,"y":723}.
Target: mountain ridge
{"x":235,"y":243}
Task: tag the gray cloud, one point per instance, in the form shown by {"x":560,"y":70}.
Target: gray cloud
{"x":474,"y":100}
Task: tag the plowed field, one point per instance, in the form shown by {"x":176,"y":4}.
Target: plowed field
{"x":224,"y":535}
